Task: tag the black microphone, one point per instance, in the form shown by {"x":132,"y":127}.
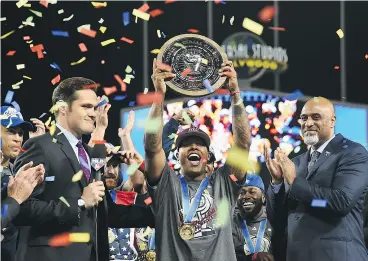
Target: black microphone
{"x":98,"y":160}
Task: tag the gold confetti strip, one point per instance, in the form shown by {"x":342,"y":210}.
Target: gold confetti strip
{"x":20,"y":3}
{"x":186,"y":117}
{"x":223,"y":19}
{"x":68,"y":18}
{"x":340,"y":33}
{"x":107,"y":42}
{"x":146,"y":233}
{"x":47,"y":123}
{"x":17,"y":84}
{"x":77,"y":176}
{"x":20,"y":66}
{"x":103,"y":29}
{"x":27,"y":5}
{"x":232,"y":20}
{"x":158,"y":33}
{"x":151,"y":125}
{"x":98,"y":4}
{"x":7,"y":34}
{"x":61,"y":11}
{"x":204,"y":61}
{"x":54,"y":140}
{"x":39,"y":14}
{"x":172,"y":136}
{"x":64,"y":201}
{"x":128,"y":69}
{"x":132,"y":169}
{"x":155,"y":51}
{"x":79,"y":237}
{"x":86,"y":26}
{"x":78,"y":62}
{"x":3,"y":117}
{"x":28,"y":23}
{"x":117,"y":148}
{"x":140,"y":14}
{"x":10,"y":123}
{"x":179,"y":45}
{"x":57,"y":106}
{"x":252,"y":26}
{"x":127,"y":80}
{"x":52,"y":128}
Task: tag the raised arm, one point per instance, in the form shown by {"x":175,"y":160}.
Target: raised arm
{"x":240,"y":124}
{"x":155,"y":156}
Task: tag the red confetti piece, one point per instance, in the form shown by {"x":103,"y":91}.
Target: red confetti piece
{"x":267,"y":13}
{"x":99,"y":141}
{"x":124,"y":39}
{"x":149,"y":98}
{"x":193,"y":31}
{"x":169,"y":1}
{"x":91,"y":86}
{"x":26,"y":38}
{"x":156,"y":12}
{"x":222,"y":91}
{"x":60,"y":240}
{"x":37,"y":48}
{"x":366,"y":56}
{"x":110,"y":90}
{"x":337,"y":67}
{"x":186,"y":72}
{"x":121,"y":82}
{"x":83,"y":47}
{"x":144,"y":8}
{"x":217,"y":1}
{"x":277,"y":28}
{"x":90,"y":33}
{"x":273,"y":131}
{"x":22,"y":150}
{"x":44,"y":3}
{"x":148,"y":201}
{"x":56,"y":80}
{"x":10,"y":53}
{"x":233,"y":178}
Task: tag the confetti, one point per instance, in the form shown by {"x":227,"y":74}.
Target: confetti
{"x":128,"y":69}
{"x":366,"y":56}
{"x":277,"y":28}
{"x":127,"y":80}
{"x":158,"y":33}
{"x":337,"y":67}
{"x":52,"y":128}
{"x":193,"y":31}
{"x":20,"y":3}
{"x":132,"y":169}
{"x":319,"y":203}
{"x":83,"y":47}
{"x":131,"y":103}
{"x":148,"y":201}
{"x":186,"y":118}
{"x":2,"y":19}
{"x":124,"y":39}
{"x":86,"y":26}
{"x":208,"y":85}
{"x":68,"y":18}
{"x":147,"y":232}
{"x":119,"y":97}
{"x":103,"y":101}
{"x":233,"y":178}
{"x":179,"y":45}
{"x":79,"y":237}
{"x":17,"y":84}
{"x":140,"y":14}
{"x":238,"y":158}
{"x":9,"y":97}
{"x":151,"y":125}
{"x":172,"y":136}
{"x":60,"y":240}
{"x":223,"y":213}
{"x":61,"y":11}
{"x":4,"y":210}
{"x":204,"y":61}
{"x":47,"y":123}
{"x":54,"y":140}
{"x":78,"y":62}
{"x":55,"y":80}
{"x":44,"y":3}
{"x":26,"y":37}
{"x":340,"y":33}
{"x":62,"y":198}
{"x":144,"y":7}
{"x":126,"y":18}
{"x":88,"y":32}
{"x":110,"y":90}
{"x":99,"y":141}
{"x":223,"y":19}
{"x":60,"y":33}
{"x":20,"y":66}
{"x":37,"y":13}
{"x":99,"y":5}
{"x":295,"y":95}
{"x":107,"y":42}
{"x":55,"y":66}
{"x":15,"y":105}
{"x":252,"y":26}
{"x":77,"y":176}
{"x":186,"y":72}
{"x":155,"y":51}
{"x":42,"y":115}
{"x":145,"y":90}
{"x":121,"y":82}
{"x":149,"y":98}
{"x":103,"y":29}
{"x":266,"y":14}
{"x":232,"y":20}
{"x":156,"y":12}
{"x":95,"y":85}
{"x":7,"y":34}
{"x":101,"y":21}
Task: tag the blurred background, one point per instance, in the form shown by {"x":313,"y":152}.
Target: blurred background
{"x":300,"y":50}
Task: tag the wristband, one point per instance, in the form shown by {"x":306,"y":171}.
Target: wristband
{"x":233,"y":93}
{"x":141,"y":167}
{"x":254,"y":257}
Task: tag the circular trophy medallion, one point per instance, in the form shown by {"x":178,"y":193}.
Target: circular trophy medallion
{"x":196,"y":61}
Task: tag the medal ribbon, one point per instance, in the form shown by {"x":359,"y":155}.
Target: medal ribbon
{"x":151,"y":240}
{"x":261,"y":230}
{"x":189,"y":211}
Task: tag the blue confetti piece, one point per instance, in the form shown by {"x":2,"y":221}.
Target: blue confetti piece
{"x":163,"y":35}
{"x":9,"y":97}
{"x":222,"y":2}
{"x":119,"y":97}
{"x":103,"y":102}
{"x":133,"y":72}
{"x":293,"y":96}
{"x":208,"y":85}
{"x":126,"y":18}
{"x":319,"y":203}
{"x":131,"y":103}
{"x":4,"y":210}
{"x":16,"y":105}
{"x":55,"y":66}
{"x":60,"y":33}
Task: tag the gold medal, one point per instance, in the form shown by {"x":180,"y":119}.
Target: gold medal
{"x":111,"y":236}
{"x":151,"y":255}
{"x":142,"y":246}
{"x":186,"y":231}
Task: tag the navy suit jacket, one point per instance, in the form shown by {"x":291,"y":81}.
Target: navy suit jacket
{"x":333,"y":233}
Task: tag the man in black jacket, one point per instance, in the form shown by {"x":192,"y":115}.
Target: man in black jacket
{"x":60,"y":205}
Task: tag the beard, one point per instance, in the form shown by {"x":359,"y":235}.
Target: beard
{"x":310,"y":138}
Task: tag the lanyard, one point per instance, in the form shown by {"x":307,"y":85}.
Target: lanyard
{"x":261,"y":230}
{"x":151,"y":240}
{"x":189,"y":211}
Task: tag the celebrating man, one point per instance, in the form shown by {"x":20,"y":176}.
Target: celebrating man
{"x":185,"y":205}
{"x":318,"y":196}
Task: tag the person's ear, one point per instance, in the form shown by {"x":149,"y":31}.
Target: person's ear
{"x":333,"y":120}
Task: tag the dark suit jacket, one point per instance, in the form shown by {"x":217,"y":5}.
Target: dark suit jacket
{"x":49,"y":216}
{"x":333,"y":233}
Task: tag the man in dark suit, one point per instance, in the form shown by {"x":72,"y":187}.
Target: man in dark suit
{"x":318,"y":196}
{"x":59,"y":205}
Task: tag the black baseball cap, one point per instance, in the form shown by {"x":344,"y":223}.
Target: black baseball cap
{"x":190,"y":132}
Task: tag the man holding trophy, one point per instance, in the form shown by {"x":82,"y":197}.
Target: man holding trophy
{"x":186,"y":205}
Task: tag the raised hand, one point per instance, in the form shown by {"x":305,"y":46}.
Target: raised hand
{"x":227,"y":70}
{"x":160,"y":74}
{"x":272,"y":165}
{"x":93,"y":193}
{"x":102,"y":120}
{"x":40,"y":128}
{"x":130,"y":157}
{"x":128,"y":127}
